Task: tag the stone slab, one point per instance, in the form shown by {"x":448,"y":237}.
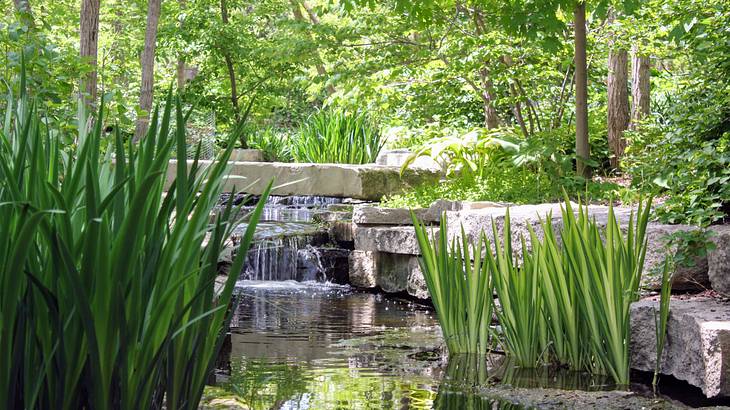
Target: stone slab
{"x":718,"y":259}
{"x":368,"y":214}
{"x":398,"y":157}
{"x":392,"y":273}
{"x":363,"y":269}
{"x":366,"y":182}
{"x":249,"y":155}
{"x":697,"y":347}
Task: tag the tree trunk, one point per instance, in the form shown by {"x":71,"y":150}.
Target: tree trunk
{"x":88,"y":47}
{"x":181,"y":59}
{"x":518,"y":110}
{"x":618,"y":104}
{"x":491,"y":118}
{"x":148,"y":69}
{"x":582,"y":148}
{"x":230,"y":67}
{"x":24,"y":9}
{"x":639,"y":88}
{"x":315,"y":20}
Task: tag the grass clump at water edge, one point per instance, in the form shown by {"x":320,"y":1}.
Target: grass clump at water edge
{"x":565,"y":304}
{"x":107,"y":293}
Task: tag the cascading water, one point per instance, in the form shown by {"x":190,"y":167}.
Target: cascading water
{"x":288,"y":243}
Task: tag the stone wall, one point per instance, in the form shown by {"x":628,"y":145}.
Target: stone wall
{"x":367,"y":182}
{"x":380,"y":232}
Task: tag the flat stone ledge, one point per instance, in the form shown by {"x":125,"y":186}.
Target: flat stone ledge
{"x":367,"y":182}
{"x":697,"y":346}
{"x":375,"y":215}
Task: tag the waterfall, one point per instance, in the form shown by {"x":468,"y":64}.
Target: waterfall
{"x":289,"y":246}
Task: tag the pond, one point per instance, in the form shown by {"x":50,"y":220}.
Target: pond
{"x":316,"y":345}
{"x":299,"y":341}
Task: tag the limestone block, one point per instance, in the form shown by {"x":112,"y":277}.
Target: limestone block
{"x":718,"y":259}
{"x":363,"y":268}
{"x":697,"y":346}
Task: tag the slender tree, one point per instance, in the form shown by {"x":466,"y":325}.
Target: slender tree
{"x":618,"y":103}
{"x":180,"y":70}
{"x":314,"y":19}
{"x":639,"y":87}
{"x":582,"y":147}
{"x":24,"y":9}
{"x":148,"y":69}
{"x":88,"y":49}
{"x":229,"y":66}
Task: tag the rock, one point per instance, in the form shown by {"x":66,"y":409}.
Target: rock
{"x":249,"y":155}
{"x":401,"y":239}
{"x":374,"y":215}
{"x":367,"y":182}
{"x":389,"y":239}
{"x":363,"y":269}
{"x":416,"y":284}
{"x":697,"y":346}
{"x":686,"y":277}
{"x":398,"y":157}
{"x":718,"y":259}
{"x":341,"y":232}
{"x":393,"y":273}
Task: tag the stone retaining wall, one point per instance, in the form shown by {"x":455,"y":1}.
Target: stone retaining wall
{"x":379,"y":232}
{"x":367,"y":182}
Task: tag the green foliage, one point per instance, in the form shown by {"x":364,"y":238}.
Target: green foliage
{"x":502,"y":166}
{"x":607,"y":273}
{"x":684,"y":151}
{"x":337,"y":137}
{"x":108,"y":281}
{"x":274,"y":143}
{"x":564,"y":303}
{"x":661,"y":318}
{"x":460,"y":286}
{"x":518,"y":291}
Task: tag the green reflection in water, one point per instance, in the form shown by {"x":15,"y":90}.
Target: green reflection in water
{"x":264,"y":384}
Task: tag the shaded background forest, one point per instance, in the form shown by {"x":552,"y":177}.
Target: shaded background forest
{"x":490,"y":85}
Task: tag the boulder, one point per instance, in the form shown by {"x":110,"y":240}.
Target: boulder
{"x":697,"y":347}
{"x":389,"y":239}
{"x":248,"y":155}
{"x":374,"y":215}
{"x":398,"y":157}
{"x":718,"y":259}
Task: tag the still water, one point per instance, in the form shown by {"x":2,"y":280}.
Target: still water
{"x":321,"y":346}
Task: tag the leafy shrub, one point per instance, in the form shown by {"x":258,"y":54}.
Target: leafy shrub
{"x":273,"y":143}
{"x":107,"y":293}
{"x":337,"y":137}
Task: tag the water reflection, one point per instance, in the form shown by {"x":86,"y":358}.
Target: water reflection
{"x":319,"y":346}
